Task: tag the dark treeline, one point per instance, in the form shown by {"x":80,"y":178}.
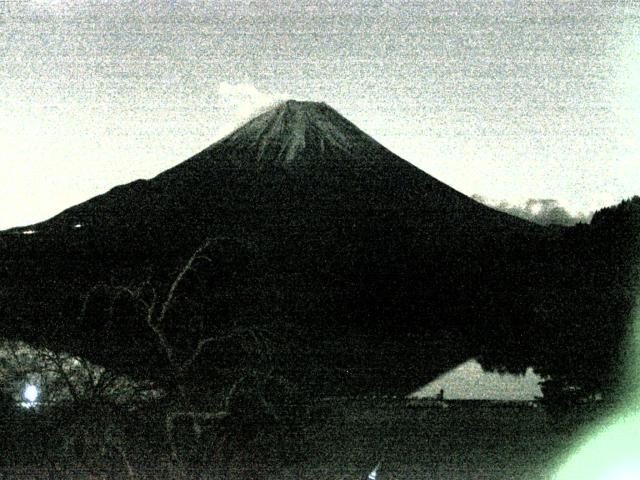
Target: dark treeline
{"x":578,"y":330}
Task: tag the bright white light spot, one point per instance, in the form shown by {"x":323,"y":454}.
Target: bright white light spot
{"x":28,"y":232}
{"x":31,"y":393}
{"x":535,"y":208}
{"x":77,"y":225}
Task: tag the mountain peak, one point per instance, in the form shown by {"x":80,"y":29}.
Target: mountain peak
{"x":281,"y":135}
{"x":301,"y":105}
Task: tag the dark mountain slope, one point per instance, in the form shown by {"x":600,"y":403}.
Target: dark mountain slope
{"x":366,"y":273}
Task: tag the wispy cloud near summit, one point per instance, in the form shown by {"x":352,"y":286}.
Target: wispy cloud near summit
{"x":242,"y":101}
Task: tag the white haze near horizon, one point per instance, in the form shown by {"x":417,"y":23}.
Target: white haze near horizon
{"x":507,"y":100}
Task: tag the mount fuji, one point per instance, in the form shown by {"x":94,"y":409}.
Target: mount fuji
{"x":365,"y":273}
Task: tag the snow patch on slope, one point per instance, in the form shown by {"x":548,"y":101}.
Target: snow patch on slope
{"x":280,"y":134}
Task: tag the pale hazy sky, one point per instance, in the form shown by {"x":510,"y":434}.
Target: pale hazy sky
{"x":509,"y":100}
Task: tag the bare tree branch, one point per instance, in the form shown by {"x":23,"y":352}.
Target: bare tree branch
{"x":181,"y":274}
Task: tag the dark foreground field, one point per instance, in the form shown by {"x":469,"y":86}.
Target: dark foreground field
{"x":342,"y":439}
{"x":466,"y":440}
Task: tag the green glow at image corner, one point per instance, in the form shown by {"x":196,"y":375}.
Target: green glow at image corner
{"x":612,"y":453}
{"x":612,"y":450}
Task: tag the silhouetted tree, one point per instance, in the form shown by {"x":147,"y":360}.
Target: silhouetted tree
{"x":203,"y":341}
